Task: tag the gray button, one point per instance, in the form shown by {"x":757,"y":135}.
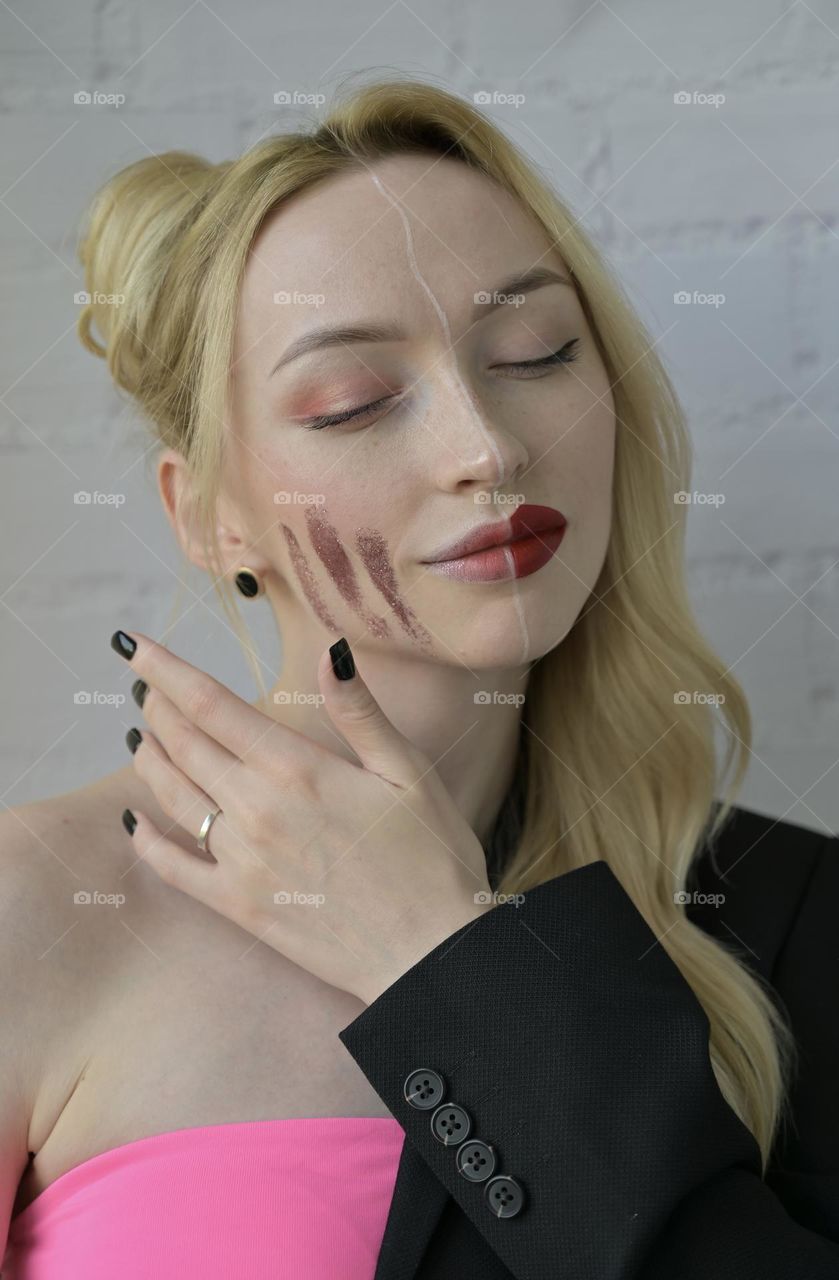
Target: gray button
{"x":424,"y":1089}
{"x":505,"y":1196}
{"x":450,"y":1124}
{"x":476,"y":1160}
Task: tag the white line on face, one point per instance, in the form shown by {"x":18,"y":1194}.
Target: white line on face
{"x":453,"y":374}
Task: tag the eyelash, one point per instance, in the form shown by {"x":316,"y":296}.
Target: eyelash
{"x":565,"y":355}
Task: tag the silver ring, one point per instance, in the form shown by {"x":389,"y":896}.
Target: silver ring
{"x":205,"y":829}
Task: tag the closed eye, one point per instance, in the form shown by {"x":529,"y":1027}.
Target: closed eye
{"x":564,"y":356}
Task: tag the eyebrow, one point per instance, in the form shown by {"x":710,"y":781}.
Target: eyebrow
{"x":343,"y":335}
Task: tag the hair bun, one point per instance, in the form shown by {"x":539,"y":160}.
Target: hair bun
{"x":133,"y":224}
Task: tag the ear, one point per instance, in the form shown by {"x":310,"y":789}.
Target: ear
{"x":176,"y":484}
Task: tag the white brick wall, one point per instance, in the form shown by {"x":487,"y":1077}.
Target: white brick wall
{"x":682,"y":197}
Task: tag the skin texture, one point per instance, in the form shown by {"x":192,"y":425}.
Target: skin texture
{"x":409,"y":241}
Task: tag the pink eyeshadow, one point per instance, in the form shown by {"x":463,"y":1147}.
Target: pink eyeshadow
{"x":344,"y":393}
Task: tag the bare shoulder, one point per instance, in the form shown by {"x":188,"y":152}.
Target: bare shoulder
{"x":51,"y":851}
{"x":55,"y":855}
{"x":45,"y":966}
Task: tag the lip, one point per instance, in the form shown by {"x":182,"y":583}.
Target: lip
{"x":508,"y":548}
{"x":527,"y":518}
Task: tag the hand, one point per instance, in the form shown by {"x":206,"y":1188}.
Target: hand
{"x":373,"y":862}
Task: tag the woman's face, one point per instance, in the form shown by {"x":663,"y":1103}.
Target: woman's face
{"x":346,"y":517}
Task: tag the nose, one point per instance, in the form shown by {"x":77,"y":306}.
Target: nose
{"x":471,"y":451}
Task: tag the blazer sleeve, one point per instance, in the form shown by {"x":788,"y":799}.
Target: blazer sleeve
{"x":550,"y":1063}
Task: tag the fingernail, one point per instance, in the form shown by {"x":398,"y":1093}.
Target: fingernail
{"x":123,"y":644}
{"x":342,"y":659}
{"x":129,"y":821}
{"x":133,"y":738}
{"x":139,"y":689}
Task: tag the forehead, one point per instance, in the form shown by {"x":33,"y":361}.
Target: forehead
{"x":343,"y":244}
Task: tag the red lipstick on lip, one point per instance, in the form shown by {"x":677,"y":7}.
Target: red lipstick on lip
{"x":511,"y":548}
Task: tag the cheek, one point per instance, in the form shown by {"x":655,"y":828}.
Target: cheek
{"x":583,"y":468}
{"x":308,"y":582}
{"x":577,"y":437}
{"x":329,"y":548}
{"x":283,"y":483}
{"x":355,"y":566}
{"x":373,"y":550}
{"x":576,"y":472}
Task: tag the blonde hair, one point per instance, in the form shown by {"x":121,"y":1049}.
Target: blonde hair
{"x":615,"y":767}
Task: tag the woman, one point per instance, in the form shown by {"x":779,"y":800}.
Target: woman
{"x":422,"y":963}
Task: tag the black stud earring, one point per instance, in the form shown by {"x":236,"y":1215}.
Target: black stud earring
{"x":249,"y":584}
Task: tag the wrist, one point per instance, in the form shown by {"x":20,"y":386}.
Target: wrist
{"x":466,"y":913}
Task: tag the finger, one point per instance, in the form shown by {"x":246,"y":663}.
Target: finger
{"x":179,"y":797}
{"x":374,"y":738}
{"x":168,"y":860}
{"x":206,"y":702}
{"x":198,"y":756}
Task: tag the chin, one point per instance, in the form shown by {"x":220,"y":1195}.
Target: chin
{"x":501,"y":635}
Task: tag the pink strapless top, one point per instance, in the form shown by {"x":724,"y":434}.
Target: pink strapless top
{"x":253,"y":1199}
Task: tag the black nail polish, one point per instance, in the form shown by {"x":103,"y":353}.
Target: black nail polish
{"x":123,"y":644}
{"x":133,"y":738}
{"x":129,"y":821}
{"x":139,"y":689}
{"x":342,"y":660}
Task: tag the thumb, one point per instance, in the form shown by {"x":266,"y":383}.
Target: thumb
{"x":354,"y":711}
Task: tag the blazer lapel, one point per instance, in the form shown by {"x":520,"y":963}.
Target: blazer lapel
{"x":417,"y":1205}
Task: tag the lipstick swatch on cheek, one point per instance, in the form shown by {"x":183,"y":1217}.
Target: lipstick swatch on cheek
{"x":307,"y":579}
{"x":335,"y":560}
{"x":373,"y":550}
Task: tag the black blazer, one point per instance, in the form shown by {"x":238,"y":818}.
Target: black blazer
{"x":558,"y":1042}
